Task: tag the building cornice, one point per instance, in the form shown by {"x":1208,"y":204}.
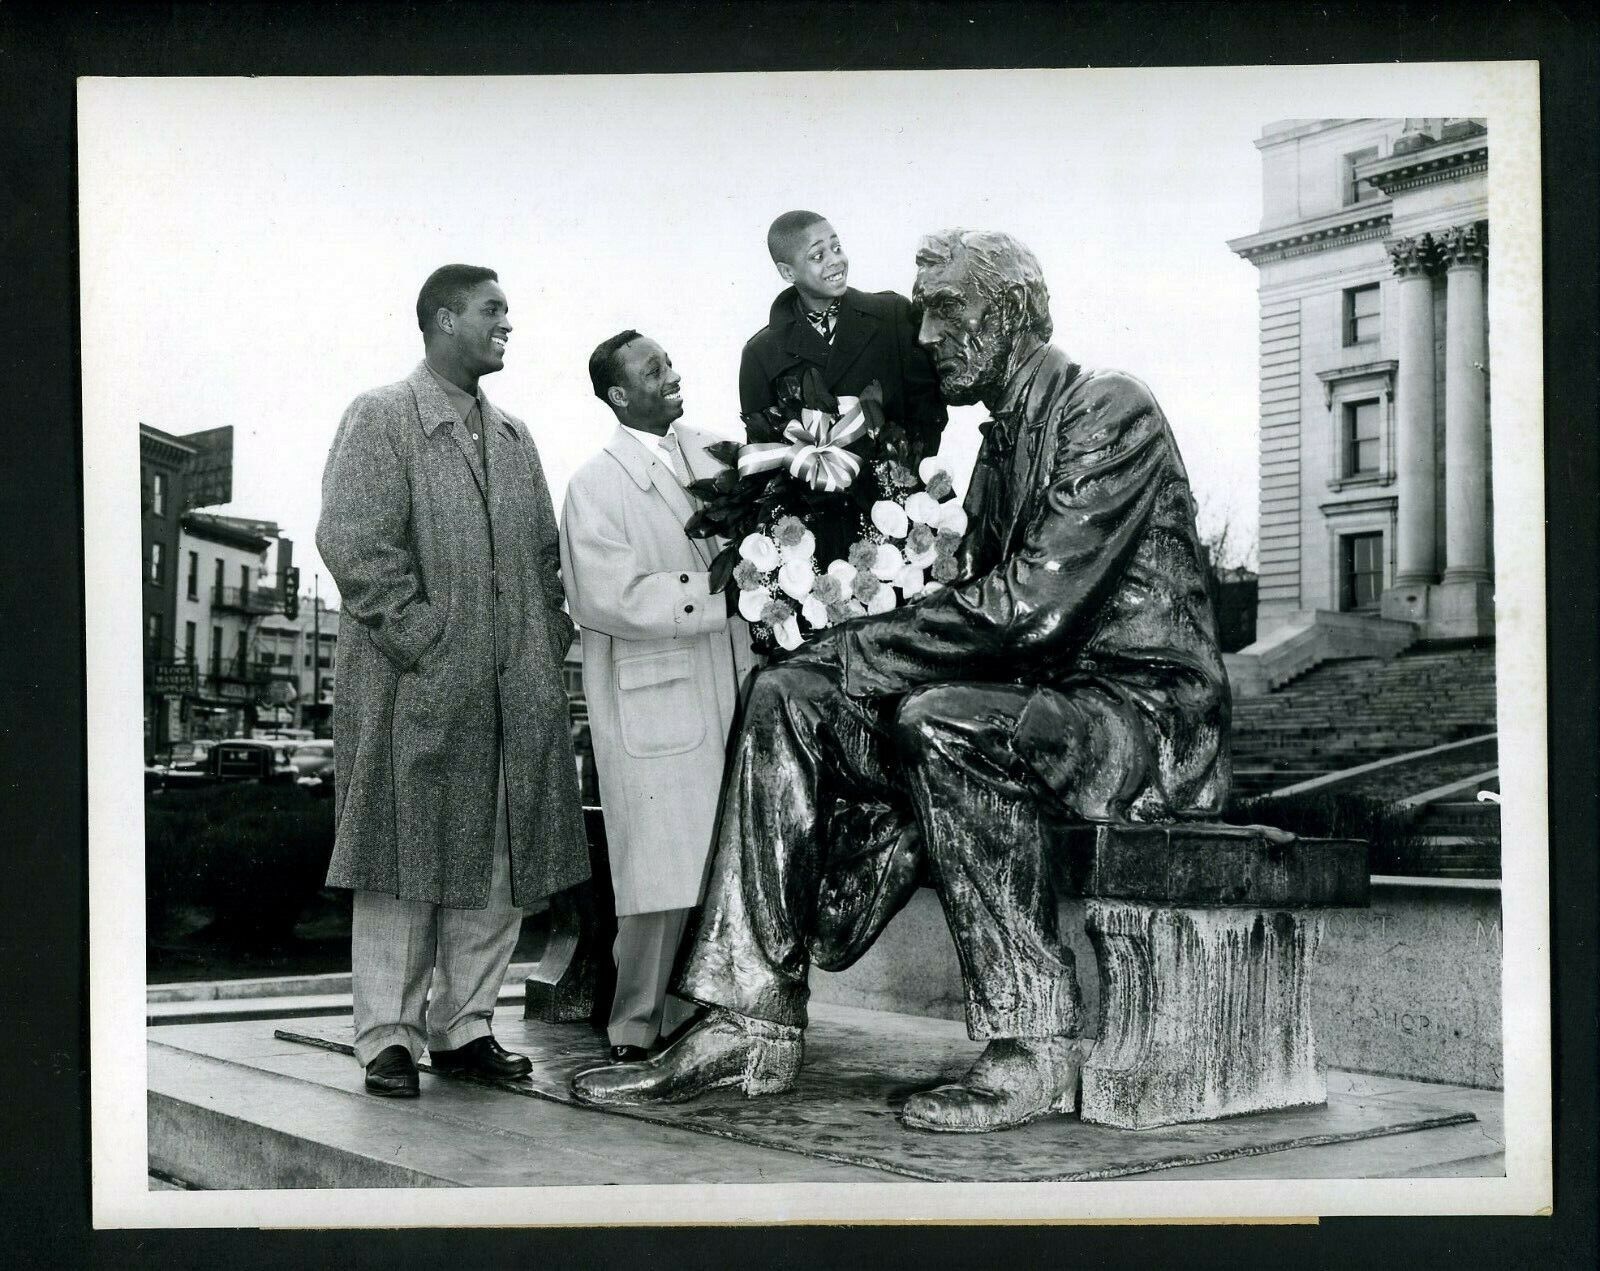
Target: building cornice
{"x":1353,"y":224}
{"x":157,"y":444}
{"x":204,"y":527}
{"x":1444,"y":161}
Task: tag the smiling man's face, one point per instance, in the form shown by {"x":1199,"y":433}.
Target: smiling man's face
{"x":650,"y":387}
{"x":479,"y":333}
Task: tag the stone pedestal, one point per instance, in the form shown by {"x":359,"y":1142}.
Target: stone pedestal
{"x":1205,"y":937}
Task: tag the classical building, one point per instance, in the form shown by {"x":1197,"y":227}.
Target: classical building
{"x":1375,"y":489}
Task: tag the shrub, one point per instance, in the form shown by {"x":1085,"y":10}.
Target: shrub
{"x":254,"y":855}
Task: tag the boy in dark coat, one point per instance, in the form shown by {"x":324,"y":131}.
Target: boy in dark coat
{"x":851,"y":337}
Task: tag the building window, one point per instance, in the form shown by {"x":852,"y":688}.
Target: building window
{"x":1362,"y":317}
{"x":152,"y":637}
{"x":194,"y":576}
{"x":216,"y":591}
{"x":188,"y":643}
{"x":1356,"y":191}
{"x":158,"y":493}
{"x":1361,"y":439}
{"x":155,"y":562}
{"x":1361,"y":571}
{"x":216,"y":651}
{"x":308,"y":659}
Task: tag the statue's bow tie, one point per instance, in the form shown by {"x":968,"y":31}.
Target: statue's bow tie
{"x":1000,"y":434}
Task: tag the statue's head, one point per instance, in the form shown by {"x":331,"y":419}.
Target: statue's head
{"x":978,"y":291}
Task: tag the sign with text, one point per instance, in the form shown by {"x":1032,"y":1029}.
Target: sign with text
{"x":172,"y":678}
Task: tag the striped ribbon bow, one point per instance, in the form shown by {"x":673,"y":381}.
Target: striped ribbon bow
{"x":815,"y":451}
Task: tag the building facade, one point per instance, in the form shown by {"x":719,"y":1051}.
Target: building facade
{"x":163,"y":460}
{"x":1374,"y":378}
{"x":304,"y":646}
{"x":230,"y":582}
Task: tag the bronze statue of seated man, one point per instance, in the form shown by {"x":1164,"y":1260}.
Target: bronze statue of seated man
{"x":1070,"y":673}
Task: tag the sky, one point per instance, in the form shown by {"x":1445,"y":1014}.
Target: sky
{"x":252,"y":248}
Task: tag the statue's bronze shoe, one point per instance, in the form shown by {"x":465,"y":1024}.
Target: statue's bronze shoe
{"x":724,"y":1049}
{"x":1016,"y":1080}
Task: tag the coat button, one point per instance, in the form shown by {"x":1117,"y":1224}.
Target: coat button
{"x":683,"y":578}
{"x":688,"y":609}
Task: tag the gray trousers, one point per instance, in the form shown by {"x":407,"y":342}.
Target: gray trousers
{"x":399,"y":949}
{"x":645,"y":949}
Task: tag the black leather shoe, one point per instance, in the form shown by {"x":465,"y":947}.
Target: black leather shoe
{"x":481,"y":1057}
{"x":393,"y":1074}
{"x":629,"y":1054}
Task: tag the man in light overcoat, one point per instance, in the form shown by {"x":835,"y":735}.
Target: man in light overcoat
{"x":663,"y":659}
{"x":457,"y":802}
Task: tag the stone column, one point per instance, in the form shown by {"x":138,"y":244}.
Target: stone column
{"x":1416,"y":555}
{"x":1466,"y":438}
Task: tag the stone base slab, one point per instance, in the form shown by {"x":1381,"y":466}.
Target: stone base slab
{"x":1207,"y":1014}
{"x":233,"y":1106}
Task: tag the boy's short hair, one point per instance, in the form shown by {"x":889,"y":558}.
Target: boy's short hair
{"x":605,"y":370}
{"x":447,"y":288}
{"x":784,"y":235}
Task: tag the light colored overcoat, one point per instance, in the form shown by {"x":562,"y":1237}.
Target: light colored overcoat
{"x":453,"y":633}
{"x":662,"y":665}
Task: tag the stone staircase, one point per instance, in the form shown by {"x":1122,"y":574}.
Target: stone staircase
{"x":1354,"y":711}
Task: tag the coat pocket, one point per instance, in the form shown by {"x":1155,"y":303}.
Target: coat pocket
{"x":656,"y":700}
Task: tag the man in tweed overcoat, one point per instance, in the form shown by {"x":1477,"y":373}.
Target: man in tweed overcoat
{"x":457,"y":800}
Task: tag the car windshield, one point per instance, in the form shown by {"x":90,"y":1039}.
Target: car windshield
{"x":314,"y":750}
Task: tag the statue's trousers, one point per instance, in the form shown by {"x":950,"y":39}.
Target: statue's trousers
{"x":835,"y":808}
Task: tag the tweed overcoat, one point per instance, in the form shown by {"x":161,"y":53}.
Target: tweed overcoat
{"x":662,"y":665}
{"x":875,"y":339}
{"x":453,"y":635}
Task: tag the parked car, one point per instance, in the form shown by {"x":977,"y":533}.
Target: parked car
{"x":313,"y":764}
{"x":182,"y":763}
{"x":246,"y":759}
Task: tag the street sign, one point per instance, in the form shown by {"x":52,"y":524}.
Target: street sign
{"x":172,"y":679}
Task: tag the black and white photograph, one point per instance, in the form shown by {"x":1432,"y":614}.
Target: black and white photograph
{"x":816,"y":647}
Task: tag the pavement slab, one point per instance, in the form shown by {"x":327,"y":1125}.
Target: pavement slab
{"x":233,"y":1105}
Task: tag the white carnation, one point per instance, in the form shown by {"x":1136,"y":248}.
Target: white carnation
{"x":814,"y":612}
{"x":845,"y":572}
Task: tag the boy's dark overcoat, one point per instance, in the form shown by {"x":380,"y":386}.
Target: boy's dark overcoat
{"x":875,"y":339}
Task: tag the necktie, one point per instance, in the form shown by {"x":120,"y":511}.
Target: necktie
{"x":680,"y":469}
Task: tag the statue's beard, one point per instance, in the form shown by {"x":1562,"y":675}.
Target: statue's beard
{"x":979,"y":370}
